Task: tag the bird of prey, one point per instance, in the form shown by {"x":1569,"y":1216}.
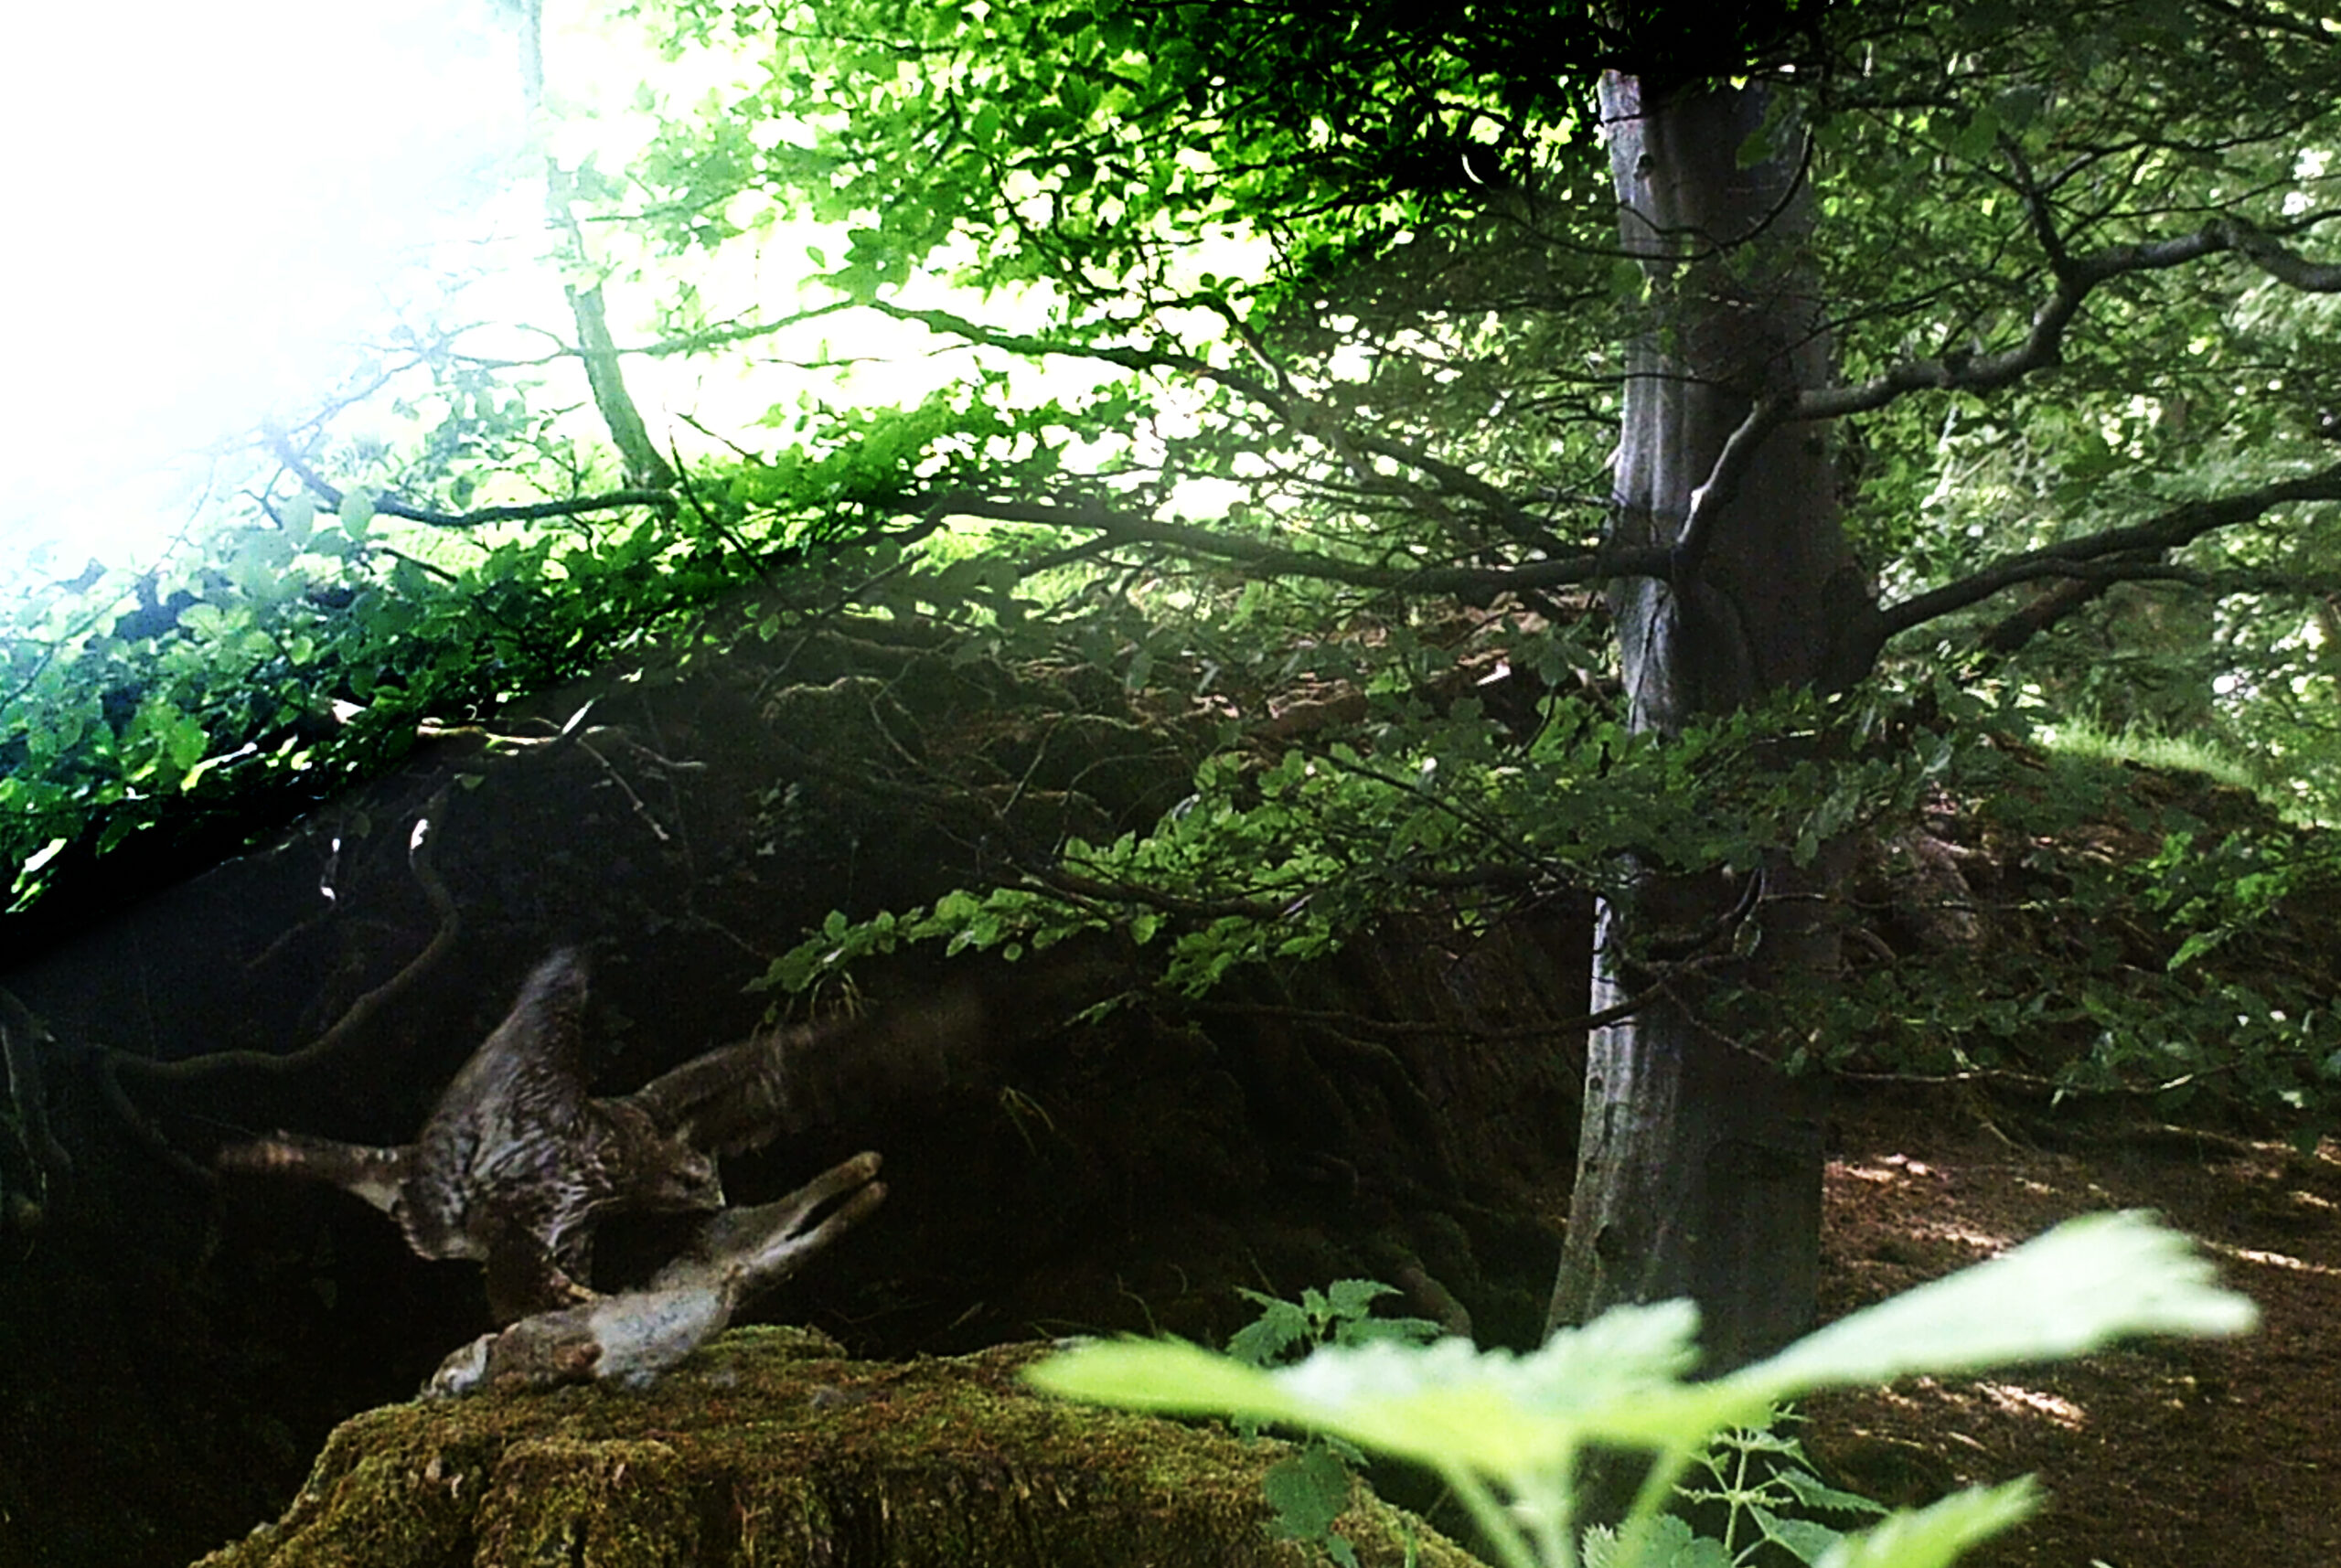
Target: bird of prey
{"x":632,"y":1337}
{"x":518,"y":1162}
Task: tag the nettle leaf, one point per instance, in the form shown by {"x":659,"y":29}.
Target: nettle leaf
{"x":1935,"y":1536}
{"x":1308,"y":1490}
{"x":1354,"y":1299}
{"x":1666,"y":1542}
{"x":1169,"y":1376}
{"x":1446,"y":1404}
{"x":2080,"y":1287}
{"x":1519,"y":1421}
{"x":1281,"y":1326}
{"x":1806,"y":1539}
{"x":1811,"y":1492}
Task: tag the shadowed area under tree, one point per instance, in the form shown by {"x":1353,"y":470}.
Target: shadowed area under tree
{"x":1386,"y":1112}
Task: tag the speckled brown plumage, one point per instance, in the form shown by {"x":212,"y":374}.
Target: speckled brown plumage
{"x":517,"y":1161}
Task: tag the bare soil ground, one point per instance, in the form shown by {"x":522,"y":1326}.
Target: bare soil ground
{"x":2222,"y":1455}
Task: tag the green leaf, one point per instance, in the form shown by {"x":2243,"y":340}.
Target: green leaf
{"x":1976,"y":138}
{"x":298,"y":517}
{"x":1169,"y":1376}
{"x":185,"y":742}
{"x":2019,"y":105}
{"x":1666,"y":1542}
{"x":1807,"y":1540}
{"x":1519,"y":1421}
{"x":356,"y":512}
{"x":1281,"y":1326}
{"x":2080,"y":1287}
{"x":1355,"y":1297}
{"x":1933,"y":1536}
{"x":2194,"y":946}
{"x":1813,"y":1492}
{"x":1307,"y":1491}
{"x":1616,"y":1380}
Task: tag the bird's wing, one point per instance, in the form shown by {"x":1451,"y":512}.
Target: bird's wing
{"x":739,"y":1097}
{"x":508,"y":1132}
{"x":527,"y":1077}
{"x":373,"y":1173}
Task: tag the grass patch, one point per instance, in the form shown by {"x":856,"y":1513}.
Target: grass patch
{"x":2086,"y":740}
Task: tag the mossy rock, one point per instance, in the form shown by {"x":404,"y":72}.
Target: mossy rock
{"x":769,"y":1449}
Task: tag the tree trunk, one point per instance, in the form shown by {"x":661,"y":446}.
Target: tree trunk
{"x":1699,"y":1164}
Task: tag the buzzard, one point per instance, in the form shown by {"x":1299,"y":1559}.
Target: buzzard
{"x":517,"y":1161}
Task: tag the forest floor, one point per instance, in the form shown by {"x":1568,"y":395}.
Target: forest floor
{"x":2161,"y":1453}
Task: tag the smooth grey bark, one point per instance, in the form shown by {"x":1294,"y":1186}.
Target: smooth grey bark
{"x":1700,"y":1162}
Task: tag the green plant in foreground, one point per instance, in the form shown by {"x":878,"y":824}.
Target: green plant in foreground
{"x":1505,"y":1430}
{"x":1340,"y":1314}
{"x":1308,"y":1489}
{"x":1760,"y":1479}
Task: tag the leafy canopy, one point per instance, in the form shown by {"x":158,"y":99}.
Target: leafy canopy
{"x":1273,"y":353}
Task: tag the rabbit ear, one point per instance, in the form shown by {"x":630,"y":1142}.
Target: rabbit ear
{"x":743,"y":1251}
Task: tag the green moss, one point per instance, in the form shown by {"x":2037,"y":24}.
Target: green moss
{"x":768,"y":1448}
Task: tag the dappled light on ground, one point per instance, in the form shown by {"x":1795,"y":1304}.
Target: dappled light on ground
{"x":2159,"y":1454}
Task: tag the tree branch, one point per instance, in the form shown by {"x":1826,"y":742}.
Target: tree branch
{"x":2181,"y":525}
{"x":718,"y":337}
{"x":281,"y":445}
{"x":730,"y":539}
{"x":1722,"y":483}
{"x":1298,"y":411}
{"x":22,"y":1037}
{"x":2085,"y":582}
{"x":345,"y":1029}
{"x":2044,"y":344}
{"x":2067,"y":598}
{"x":604,"y":375}
{"x":2287,"y":267}
{"x":1132,"y":528}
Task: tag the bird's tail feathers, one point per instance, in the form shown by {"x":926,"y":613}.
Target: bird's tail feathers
{"x":372,"y":1173}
